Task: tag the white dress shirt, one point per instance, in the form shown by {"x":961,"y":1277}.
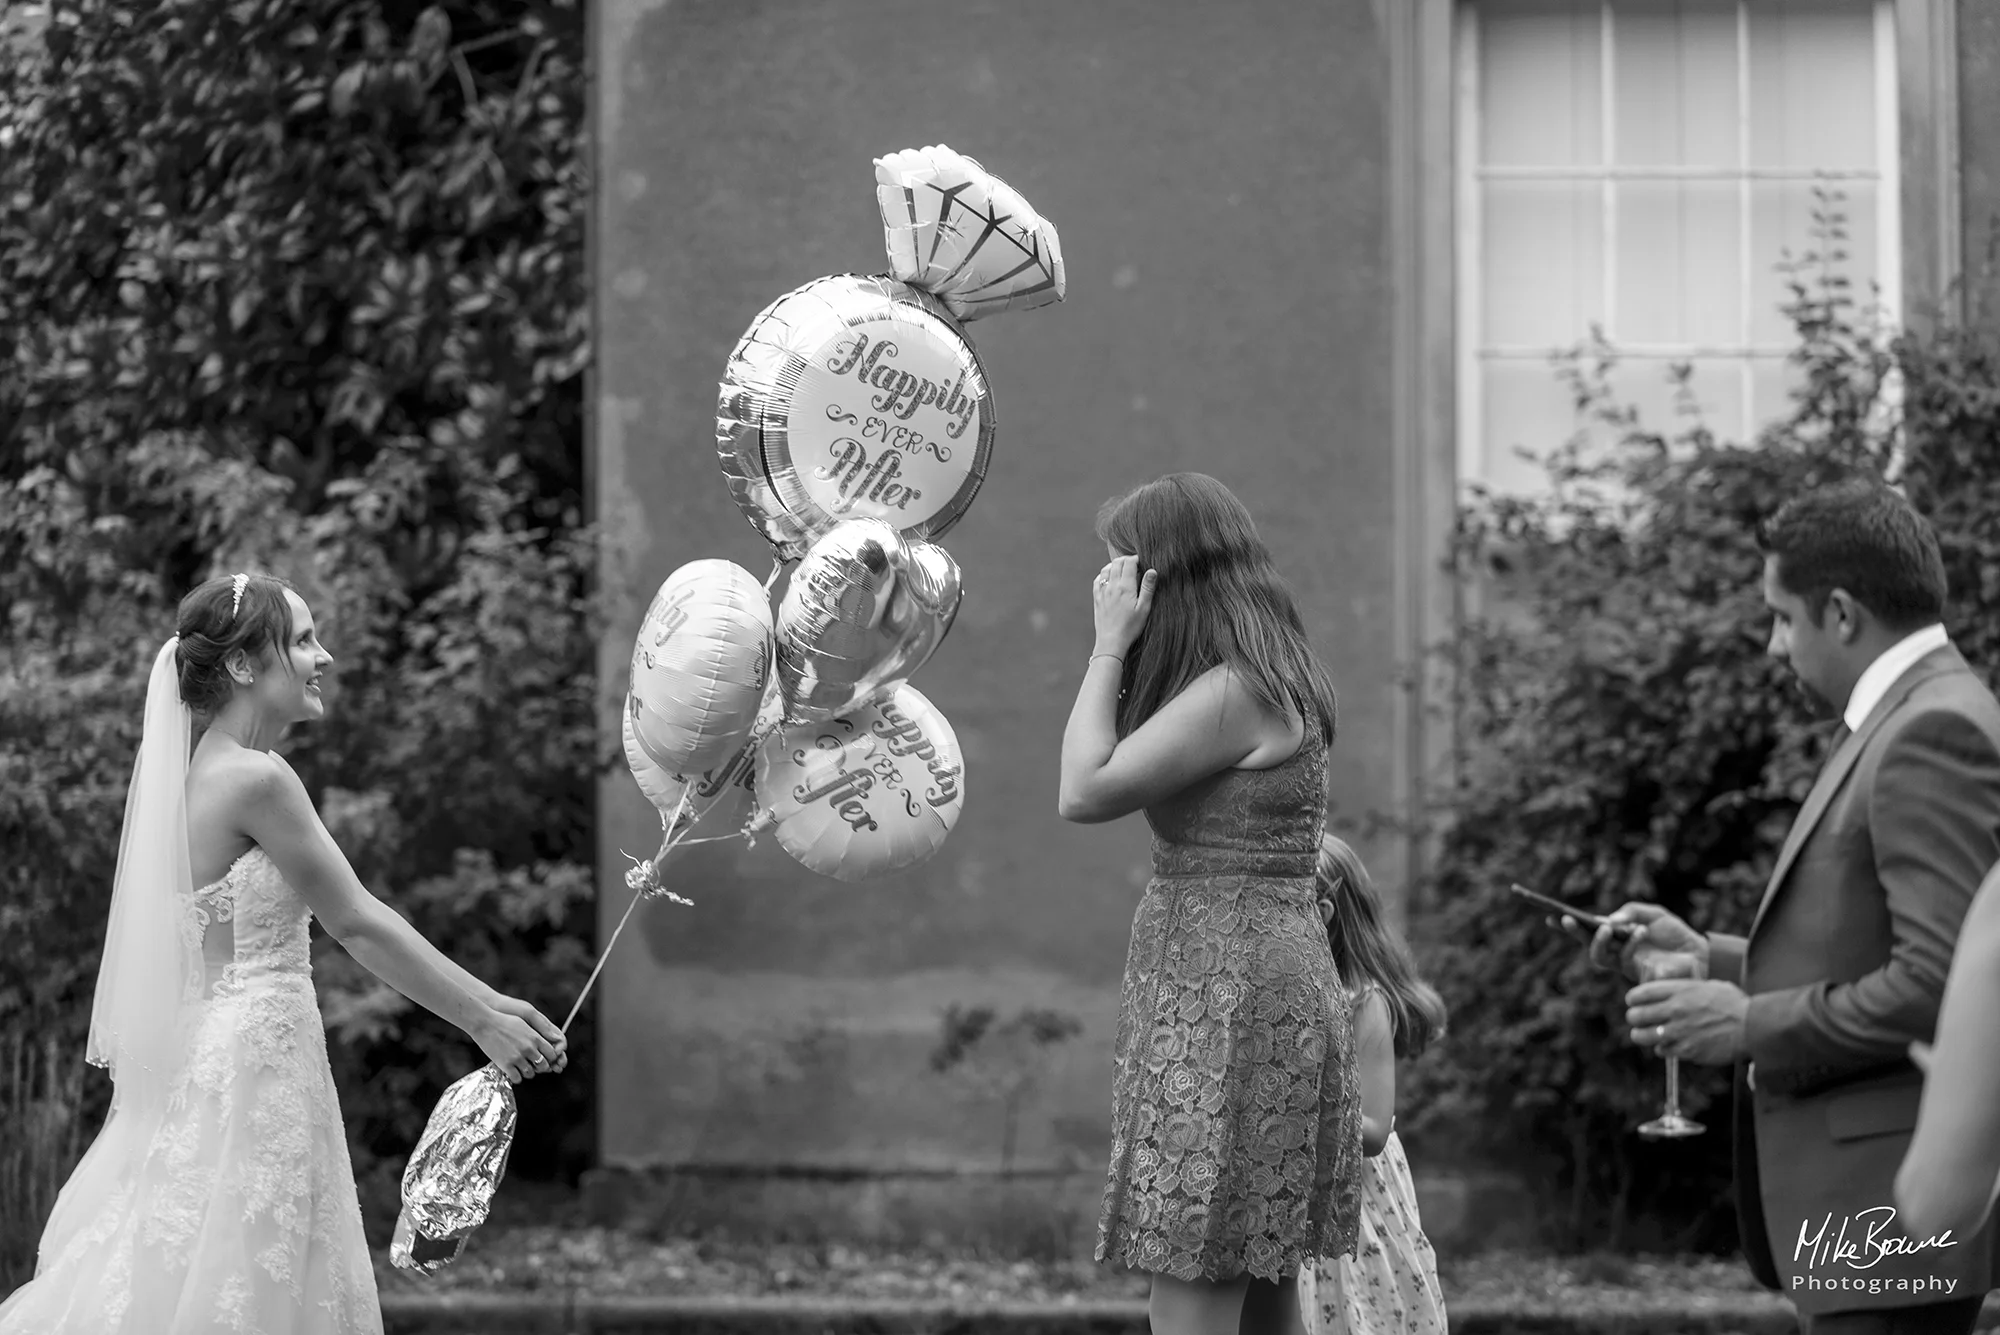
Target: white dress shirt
{"x":1880,"y":675}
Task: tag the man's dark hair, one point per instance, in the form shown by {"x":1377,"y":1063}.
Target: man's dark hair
{"x":1861,"y":537}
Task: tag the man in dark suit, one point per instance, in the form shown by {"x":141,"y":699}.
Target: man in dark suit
{"x":1845,"y":962}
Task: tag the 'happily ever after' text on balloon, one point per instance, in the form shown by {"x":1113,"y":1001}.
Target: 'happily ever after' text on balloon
{"x":873,"y":792}
{"x":700,"y":665}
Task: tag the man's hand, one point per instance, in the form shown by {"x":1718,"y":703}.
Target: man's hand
{"x":1695,"y":1020}
{"x":1640,"y":935}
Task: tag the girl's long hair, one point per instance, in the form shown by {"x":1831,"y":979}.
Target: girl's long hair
{"x":1366,"y":951}
{"x":1217,"y":599}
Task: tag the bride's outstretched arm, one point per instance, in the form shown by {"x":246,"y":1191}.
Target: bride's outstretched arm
{"x":279,"y":815}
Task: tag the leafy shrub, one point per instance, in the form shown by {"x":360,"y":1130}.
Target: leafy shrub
{"x":1623,"y":735}
{"x":299,"y":285}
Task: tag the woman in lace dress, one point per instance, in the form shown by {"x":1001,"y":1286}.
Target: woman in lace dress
{"x":1236,"y":1108}
{"x":219,"y":1196}
{"x":1390,"y":1285}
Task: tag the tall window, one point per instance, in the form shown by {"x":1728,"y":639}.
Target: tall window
{"x":1642,"y":166}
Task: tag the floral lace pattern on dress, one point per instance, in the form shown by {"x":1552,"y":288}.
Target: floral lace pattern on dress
{"x":238,"y":1212}
{"x":1236,"y":1108}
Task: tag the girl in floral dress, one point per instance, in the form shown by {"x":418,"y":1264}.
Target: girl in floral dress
{"x":1390,"y":1285}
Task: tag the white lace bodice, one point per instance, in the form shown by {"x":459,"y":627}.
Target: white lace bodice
{"x":247,"y":926}
{"x":234,"y":1209}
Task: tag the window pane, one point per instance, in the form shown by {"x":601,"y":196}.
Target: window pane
{"x":1674,"y":68}
{"x":1528,"y":406}
{"x":1773,"y":381}
{"x":1677,"y":279}
{"x":1711,"y":396}
{"x":1524,"y":406}
{"x":1542,"y":261}
{"x":1678,"y":259}
{"x":1812,"y":85}
{"x":1539,"y":102}
{"x":1781,"y":220}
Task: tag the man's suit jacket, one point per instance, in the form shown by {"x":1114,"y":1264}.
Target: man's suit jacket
{"x":1844,"y":965}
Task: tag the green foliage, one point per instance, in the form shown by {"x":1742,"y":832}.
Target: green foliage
{"x":1623,"y":735}
{"x":299,"y":285}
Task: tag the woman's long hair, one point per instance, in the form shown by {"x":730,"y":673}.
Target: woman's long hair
{"x":1218,"y":599}
{"x":1367,"y":952}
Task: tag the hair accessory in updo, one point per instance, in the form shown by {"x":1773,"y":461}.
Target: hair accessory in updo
{"x":236,"y":599}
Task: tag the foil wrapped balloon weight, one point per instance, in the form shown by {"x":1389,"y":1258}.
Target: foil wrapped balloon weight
{"x":453,"y":1173}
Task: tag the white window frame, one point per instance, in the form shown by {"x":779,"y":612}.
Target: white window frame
{"x":1472,"y":353}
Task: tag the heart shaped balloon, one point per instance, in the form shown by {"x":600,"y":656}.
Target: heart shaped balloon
{"x":864,"y":610}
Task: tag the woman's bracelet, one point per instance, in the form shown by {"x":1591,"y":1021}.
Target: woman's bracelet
{"x":1116,"y":657}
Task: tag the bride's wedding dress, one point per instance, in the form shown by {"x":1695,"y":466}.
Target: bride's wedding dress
{"x":233,"y":1208}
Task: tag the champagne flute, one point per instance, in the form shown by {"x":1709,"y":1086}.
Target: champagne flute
{"x":1671,"y":1124}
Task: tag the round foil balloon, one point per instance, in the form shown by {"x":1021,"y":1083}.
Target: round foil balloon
{"x":725,"y":796}
{"x":865,"y":795}
{"x":662,"y":789}
{"x":700,"y":665}
{"x":853,"y":398}
{"x":863,"y":611}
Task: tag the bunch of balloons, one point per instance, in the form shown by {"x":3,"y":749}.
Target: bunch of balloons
{"x":854,"y":428}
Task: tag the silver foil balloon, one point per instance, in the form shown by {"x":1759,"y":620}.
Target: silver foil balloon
{"x":848,"y":398}
{"x":700,"y":663}
{"x":863,"y":611}
{"x":966,"y":236}
{"x":456,"y":1167}
{"x":874,"y":792}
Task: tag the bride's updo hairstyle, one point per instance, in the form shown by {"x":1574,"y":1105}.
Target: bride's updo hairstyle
{"x":214,"y":623}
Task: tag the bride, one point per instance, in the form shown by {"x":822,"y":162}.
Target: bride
{"x":219,"y":1195}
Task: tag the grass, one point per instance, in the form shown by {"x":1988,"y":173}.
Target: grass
{"x":546,"y":1246}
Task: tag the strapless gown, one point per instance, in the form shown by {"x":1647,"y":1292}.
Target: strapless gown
{"x":238,"y":1211}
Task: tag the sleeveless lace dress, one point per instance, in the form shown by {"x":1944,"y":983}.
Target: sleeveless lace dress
{"x":1236,"y":1102}
{"x":238,"y":1213}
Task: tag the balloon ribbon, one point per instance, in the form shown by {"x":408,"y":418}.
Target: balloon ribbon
{"x":644,"y":880}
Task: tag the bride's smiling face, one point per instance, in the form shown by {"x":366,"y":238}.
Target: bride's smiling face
{"x":287,"y":684}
